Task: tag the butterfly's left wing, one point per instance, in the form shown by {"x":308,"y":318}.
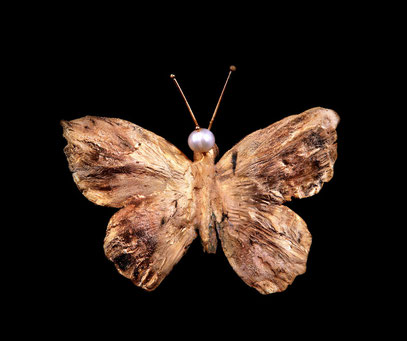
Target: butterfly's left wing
{"x":119,"y":164}
{"x":115,"y":162}
{"x":146,"y":239}
{"x":266,"y":243}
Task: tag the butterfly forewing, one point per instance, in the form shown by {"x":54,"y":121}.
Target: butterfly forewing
{"x":266,"y":243}
{"x":115,"y":162}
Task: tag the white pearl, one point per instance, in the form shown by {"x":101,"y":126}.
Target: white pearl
{"x":201,"y":140}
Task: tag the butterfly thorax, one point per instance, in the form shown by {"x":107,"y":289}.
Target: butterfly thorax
{"x":204,"y":198}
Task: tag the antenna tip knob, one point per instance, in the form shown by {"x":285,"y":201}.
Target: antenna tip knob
{"x":232,"y":68}
{"x":172,"y":75}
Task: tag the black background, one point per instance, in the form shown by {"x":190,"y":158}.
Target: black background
{"x":124,"y":73}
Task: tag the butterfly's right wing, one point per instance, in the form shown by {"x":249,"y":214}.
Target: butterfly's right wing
{"x":267,"y":243}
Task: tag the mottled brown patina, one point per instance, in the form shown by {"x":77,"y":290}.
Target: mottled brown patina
{"x":166,"y":199}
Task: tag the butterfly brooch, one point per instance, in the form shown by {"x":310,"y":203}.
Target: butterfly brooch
{"x":166,"y":200}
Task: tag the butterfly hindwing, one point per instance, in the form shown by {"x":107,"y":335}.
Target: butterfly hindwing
{"x":266,"y":243}
{"x":145,"y":240}
{"x":266,"y":248}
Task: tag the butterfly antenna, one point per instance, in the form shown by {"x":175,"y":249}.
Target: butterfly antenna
{"x":186,"y":102}
{"x":231,"y":69}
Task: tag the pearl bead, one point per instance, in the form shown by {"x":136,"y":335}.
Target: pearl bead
{"x":201,"y":140}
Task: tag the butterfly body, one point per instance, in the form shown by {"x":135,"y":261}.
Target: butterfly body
{"x":166,"y":200}
{"x":207,"y":205}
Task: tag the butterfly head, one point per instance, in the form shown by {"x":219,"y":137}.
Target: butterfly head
{"x":201,"y":140}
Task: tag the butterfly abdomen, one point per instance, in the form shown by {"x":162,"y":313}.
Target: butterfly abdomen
{"x":205,"y":199}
